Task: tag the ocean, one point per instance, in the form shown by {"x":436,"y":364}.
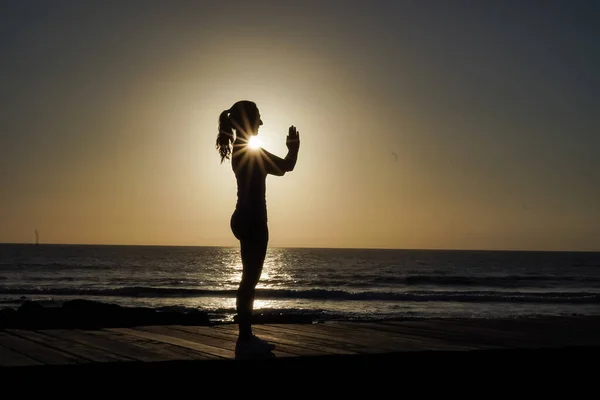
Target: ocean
{"x":327,"y":284}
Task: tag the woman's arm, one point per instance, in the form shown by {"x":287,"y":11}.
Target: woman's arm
{"x":279,"y":166}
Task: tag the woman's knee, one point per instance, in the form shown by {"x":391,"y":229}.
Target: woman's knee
{"x":250,"y":277}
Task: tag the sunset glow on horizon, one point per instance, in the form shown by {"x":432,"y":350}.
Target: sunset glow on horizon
{"x":423,"y":125}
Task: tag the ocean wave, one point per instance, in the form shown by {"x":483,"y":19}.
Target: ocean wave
{"x":10,"y":300}
{"x":457,"y":281}
{"x":490,"y":281}
{"x":356,"y":281}
{"x":321,"y":294}
{"x":54,"y":266}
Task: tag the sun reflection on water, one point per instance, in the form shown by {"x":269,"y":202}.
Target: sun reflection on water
{"x":273,"y":275}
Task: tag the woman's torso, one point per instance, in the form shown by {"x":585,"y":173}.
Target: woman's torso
{"x":250,"y":175}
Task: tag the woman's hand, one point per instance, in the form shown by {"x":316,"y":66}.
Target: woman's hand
{"x":293,"y":139}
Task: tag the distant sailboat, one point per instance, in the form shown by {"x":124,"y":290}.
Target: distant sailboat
{"x":37,"y":237}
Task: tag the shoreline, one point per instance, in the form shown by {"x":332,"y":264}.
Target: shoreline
{"x":90,"y":314}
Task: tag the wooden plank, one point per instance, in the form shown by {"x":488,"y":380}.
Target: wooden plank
{"x":175,"y":333}
{"x":10,"y":358}
{"x":387,"y":341}
{"x":477,"y":329}
{"x":331,"y":342}
{"x":538,"y":335}
{"x":459,"y":336}
{"x":555,"y":328}
{"x":208,"y":350}
{"x":321,"y":340}
{"x":161,"y":351}
{"x":450,"y":325}
{"x":110,"y":345}
{"x":550,"y":332}
{"x":374,"y":332}
{"x":281,"y":350}
{"x":383,"y":342}
{"x":520,"y":336}
{"x":506,"y":333}
{"x":38,"y":352}
{"x":277,"y":340}
{"x":231,"y":338}
{"x":436,"y":342}
{"x":322,"y":348}
{"x":476,"y":326}
{"x":77,"y":349}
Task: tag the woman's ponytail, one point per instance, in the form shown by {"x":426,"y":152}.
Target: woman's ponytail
{"x":225,"y":136}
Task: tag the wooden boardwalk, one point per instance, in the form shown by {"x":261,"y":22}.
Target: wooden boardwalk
{"x":155,"y":344}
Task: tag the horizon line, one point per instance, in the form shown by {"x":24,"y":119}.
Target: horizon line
{"x":304,"y":247}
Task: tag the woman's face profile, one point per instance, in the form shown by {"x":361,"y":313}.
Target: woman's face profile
{"x":257,"y":124}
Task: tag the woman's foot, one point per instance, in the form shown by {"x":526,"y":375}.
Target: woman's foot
{"x":253,"y":345}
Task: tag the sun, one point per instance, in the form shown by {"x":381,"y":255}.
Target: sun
{"x":254,"y":142}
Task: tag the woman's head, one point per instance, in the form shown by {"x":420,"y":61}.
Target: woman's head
{"x":244,"y":117}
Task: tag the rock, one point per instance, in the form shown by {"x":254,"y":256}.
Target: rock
{"x":30,"y":307}
{"x":7,"y":315}
{"x":277,"y":318}
{"x":86,"y":314}
{"x":33,"y":315}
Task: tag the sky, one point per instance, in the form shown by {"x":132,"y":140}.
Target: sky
{"x":423,"y":124}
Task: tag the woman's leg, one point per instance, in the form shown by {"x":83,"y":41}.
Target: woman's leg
{"x":253,"y":251}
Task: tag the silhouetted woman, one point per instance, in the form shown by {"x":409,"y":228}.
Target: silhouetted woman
{"x":249,"y":220}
